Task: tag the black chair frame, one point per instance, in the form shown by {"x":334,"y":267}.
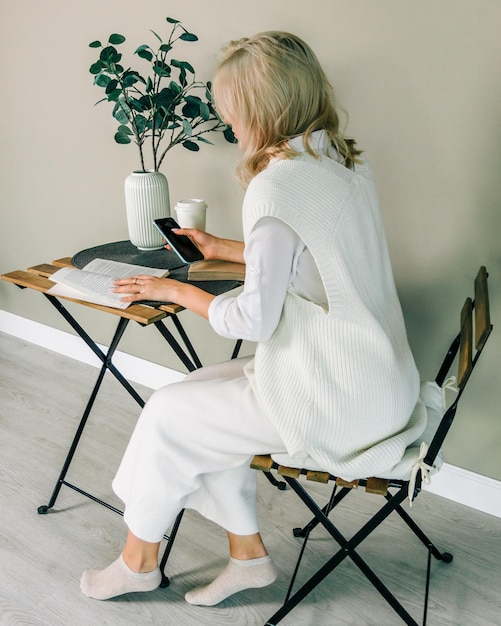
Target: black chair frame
{"x":467,"y":353}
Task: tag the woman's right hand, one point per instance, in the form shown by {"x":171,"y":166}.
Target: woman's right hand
{"x":206,"y":243}
{"x":213,"y":247}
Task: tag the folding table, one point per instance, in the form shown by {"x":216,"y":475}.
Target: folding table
{"x":146,"y":314}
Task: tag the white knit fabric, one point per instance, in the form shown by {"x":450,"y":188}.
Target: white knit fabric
{"x":340,"y":386}
{"x":432,"y":396}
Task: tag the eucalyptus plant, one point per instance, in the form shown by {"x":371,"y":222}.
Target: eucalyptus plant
{"x":164,"y":108}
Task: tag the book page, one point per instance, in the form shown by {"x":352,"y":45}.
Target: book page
{"x":63,"y":290}
{"x":122,"y":270}
{"x":90,"y":284}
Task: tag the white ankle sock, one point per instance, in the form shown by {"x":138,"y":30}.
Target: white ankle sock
{"x":117,"y":579}
{"x":236,"y":576}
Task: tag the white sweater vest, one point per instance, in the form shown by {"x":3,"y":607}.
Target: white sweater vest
{"x":340,"y":385}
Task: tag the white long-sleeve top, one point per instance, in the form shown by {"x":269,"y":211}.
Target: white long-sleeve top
{"x":276,"y":260}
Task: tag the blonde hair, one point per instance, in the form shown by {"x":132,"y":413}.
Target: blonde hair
{"x":273,"y":84}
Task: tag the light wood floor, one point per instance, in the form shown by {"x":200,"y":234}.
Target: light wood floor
{"x":41,"y":556}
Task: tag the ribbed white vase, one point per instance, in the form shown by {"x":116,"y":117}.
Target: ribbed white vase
{"x":146,"y":199}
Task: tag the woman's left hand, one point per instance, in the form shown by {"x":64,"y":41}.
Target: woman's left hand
{"x":137,"y":288}
{"x":142,"y":287}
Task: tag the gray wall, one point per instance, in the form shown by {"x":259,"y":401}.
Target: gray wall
{"x":421,"y":82}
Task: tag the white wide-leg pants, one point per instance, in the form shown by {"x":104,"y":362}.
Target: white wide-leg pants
{"x":191,"y":448}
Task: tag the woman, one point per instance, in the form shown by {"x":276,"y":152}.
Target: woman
{"x":333,"y":381}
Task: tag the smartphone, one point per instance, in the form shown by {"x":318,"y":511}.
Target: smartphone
{"x":182,"y":245}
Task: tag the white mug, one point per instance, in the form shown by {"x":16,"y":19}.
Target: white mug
{"x":191,"y":213}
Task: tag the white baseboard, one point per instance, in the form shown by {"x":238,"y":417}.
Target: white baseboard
{"x":454,"y":483}
{"x":133,"y":368}
{"x":474,"y":490}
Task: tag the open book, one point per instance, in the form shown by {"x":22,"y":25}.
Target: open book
{"x":95,"y":282}
{"x":216,"y":270}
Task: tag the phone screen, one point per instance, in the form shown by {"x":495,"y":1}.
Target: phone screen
{"x":181,"y":244}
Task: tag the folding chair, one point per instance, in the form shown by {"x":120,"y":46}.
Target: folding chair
{"x":422,"y":458}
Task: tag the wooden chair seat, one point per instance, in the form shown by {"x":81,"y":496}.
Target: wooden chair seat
{"x":372,"y":485}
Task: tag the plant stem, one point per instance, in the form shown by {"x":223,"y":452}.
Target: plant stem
{"x":132,"y":122}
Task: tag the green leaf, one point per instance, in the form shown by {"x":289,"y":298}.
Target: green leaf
{"x":191,"y":110}
{"x":138,"y":105}
{"x":157,"y":36}
{"x":175,"y":88}
{"x":229,"y":136}
{"x":102,"y":80}
{"x":171,"y":20}
{"x":141,"y":123}
{"x":131,"y":78}
{"x":96,"y":67}
{"x":113,"y":96}
{"x":122,"y":138}
{"x":182,"y":64}
{"x":161,"y":69}
{"x":165,"y":47}
{"x":162,"y":122}
{"x":188,"y":37}
{"x":204,"y":112}
{"x":110,"y":55}
{"x":111,"y":86}
{"x":146,"y":103}
{"x":187,"y":129}
{"x":120,"y":115}
{"x":115,"y":39}
{"x":204,"y":140}
{"x":124,"y":129}
{"x":208,"y":93}
{"x":191,"y":145}
{"x":95,"y":44}
{"x":144,"y":53}
{"x":165,"y":98}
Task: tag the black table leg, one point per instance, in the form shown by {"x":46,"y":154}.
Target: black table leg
{"x":174,"y":344}
{"x":107,"y":365}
